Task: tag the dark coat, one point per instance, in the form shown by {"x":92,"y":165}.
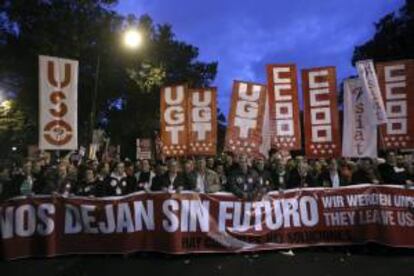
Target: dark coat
{"x":295,"y":180}
{"x":390,"y":176}
{"x":165,"y":182}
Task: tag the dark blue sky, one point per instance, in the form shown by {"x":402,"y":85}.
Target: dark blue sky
{"x":245,"y":35}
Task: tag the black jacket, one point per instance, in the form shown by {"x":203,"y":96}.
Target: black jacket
{"x":164,"y":182}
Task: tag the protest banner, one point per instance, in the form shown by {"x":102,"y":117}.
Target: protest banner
{"x":202,"y":122}
{"x":360,"y":134}
{"x":58,"y":103}
{"x":246,"y":119}
{"x":321,"y":113}
{"x":396,"y":80}
{"x":174,"y":120}
{"x":284,"y":106}
{"x":39,"y":226}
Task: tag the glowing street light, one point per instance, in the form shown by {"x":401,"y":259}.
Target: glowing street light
{"x":132,"y":39}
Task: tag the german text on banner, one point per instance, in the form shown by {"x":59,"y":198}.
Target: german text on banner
{"x":321,"y":113}
{"x":366,"y":72}
{"x":360,"y":136}
{"x":58,"y":103}
{"x":197,"y":223}
{"x":397,"y":86}
{"x":174,"y":120}
{"x":246,"y":118}
{"x":202,"y":121}
{"x":284,"y":106}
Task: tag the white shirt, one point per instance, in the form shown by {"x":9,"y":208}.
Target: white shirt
{"x":334,"y":179}
{"x":201,"y":183}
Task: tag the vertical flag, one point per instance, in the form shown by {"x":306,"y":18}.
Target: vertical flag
{"x":58,"y":103}
{"x":246,"y":118}
{"x":202,"y":122}
{"x":396,"y":80}
{"x":282,"y":89}
{"x":366,"y":73}
{"x":174,"y":120}
{"x":321,"y":113}
{"x":360,"y":135}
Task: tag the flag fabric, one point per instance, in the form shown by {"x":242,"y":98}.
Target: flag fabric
{"x":368,"y":77}
{"x":360,"y":136}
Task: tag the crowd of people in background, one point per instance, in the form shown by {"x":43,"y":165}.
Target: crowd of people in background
{"x":247,"y":178}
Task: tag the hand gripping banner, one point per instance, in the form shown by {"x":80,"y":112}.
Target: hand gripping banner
{"x":246,"y":118}
{"x":321,"y":113}
{"x":202,"y":121}
{"x":58,"y":103}
{"x":396,"y":80}
{"x":188,"y":222}
{"x":282,"y":88}
{"x":174,"y":120}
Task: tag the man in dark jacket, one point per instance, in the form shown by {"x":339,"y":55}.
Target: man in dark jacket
{"x":244,"y":181}
{"x":392,"y":171}
{"x":299,"y":176}
{"x":172,"y":180}
{"x":331,"y":176}
{"x":364,"y":173}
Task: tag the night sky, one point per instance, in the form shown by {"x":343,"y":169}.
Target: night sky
{"x":244,"y":36}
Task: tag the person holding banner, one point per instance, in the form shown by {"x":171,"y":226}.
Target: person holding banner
{"x":145,"y":176}
{"x":24,"y":183}
{"x":117,"y":182}
{"x":244,"y":181}
{"x":265,"y":178}
{"x":207,"y":180}
{"x":66,"y":184}
{"x":365,"y":172}
{"x":331,"y":177}
{"x":172,"y":180}
{"x":279,"y":174}
{"x":299,"y":176}
{"x":392,"y":171}
{"x":89,"y":185}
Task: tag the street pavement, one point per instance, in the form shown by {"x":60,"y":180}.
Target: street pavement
{"x":369,"y":260}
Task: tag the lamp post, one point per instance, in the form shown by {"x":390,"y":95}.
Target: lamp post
{"x":132,"y":39}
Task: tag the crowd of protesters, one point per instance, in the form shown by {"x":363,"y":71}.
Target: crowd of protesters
{"x":246,"y":178}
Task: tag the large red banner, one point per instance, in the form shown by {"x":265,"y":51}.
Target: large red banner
{"x":284,"y":106}
{"x":246,"y":118}
{"x":202,"y":121}
{"x":396,"y":81}
{"x":191,"y":222}
{"x":174,"y":120}
{"x":321,"y":113}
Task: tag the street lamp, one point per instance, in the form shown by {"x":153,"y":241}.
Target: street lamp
{"x":132,"y":38}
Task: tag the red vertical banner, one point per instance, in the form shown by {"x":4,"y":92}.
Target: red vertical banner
{"x":202,"y":121}
{"x":174,"y":120}
{"x":246,"y":118}
{"x":284,"y":106}
{"x":396,"y":81}
{"x":321,"y":113}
